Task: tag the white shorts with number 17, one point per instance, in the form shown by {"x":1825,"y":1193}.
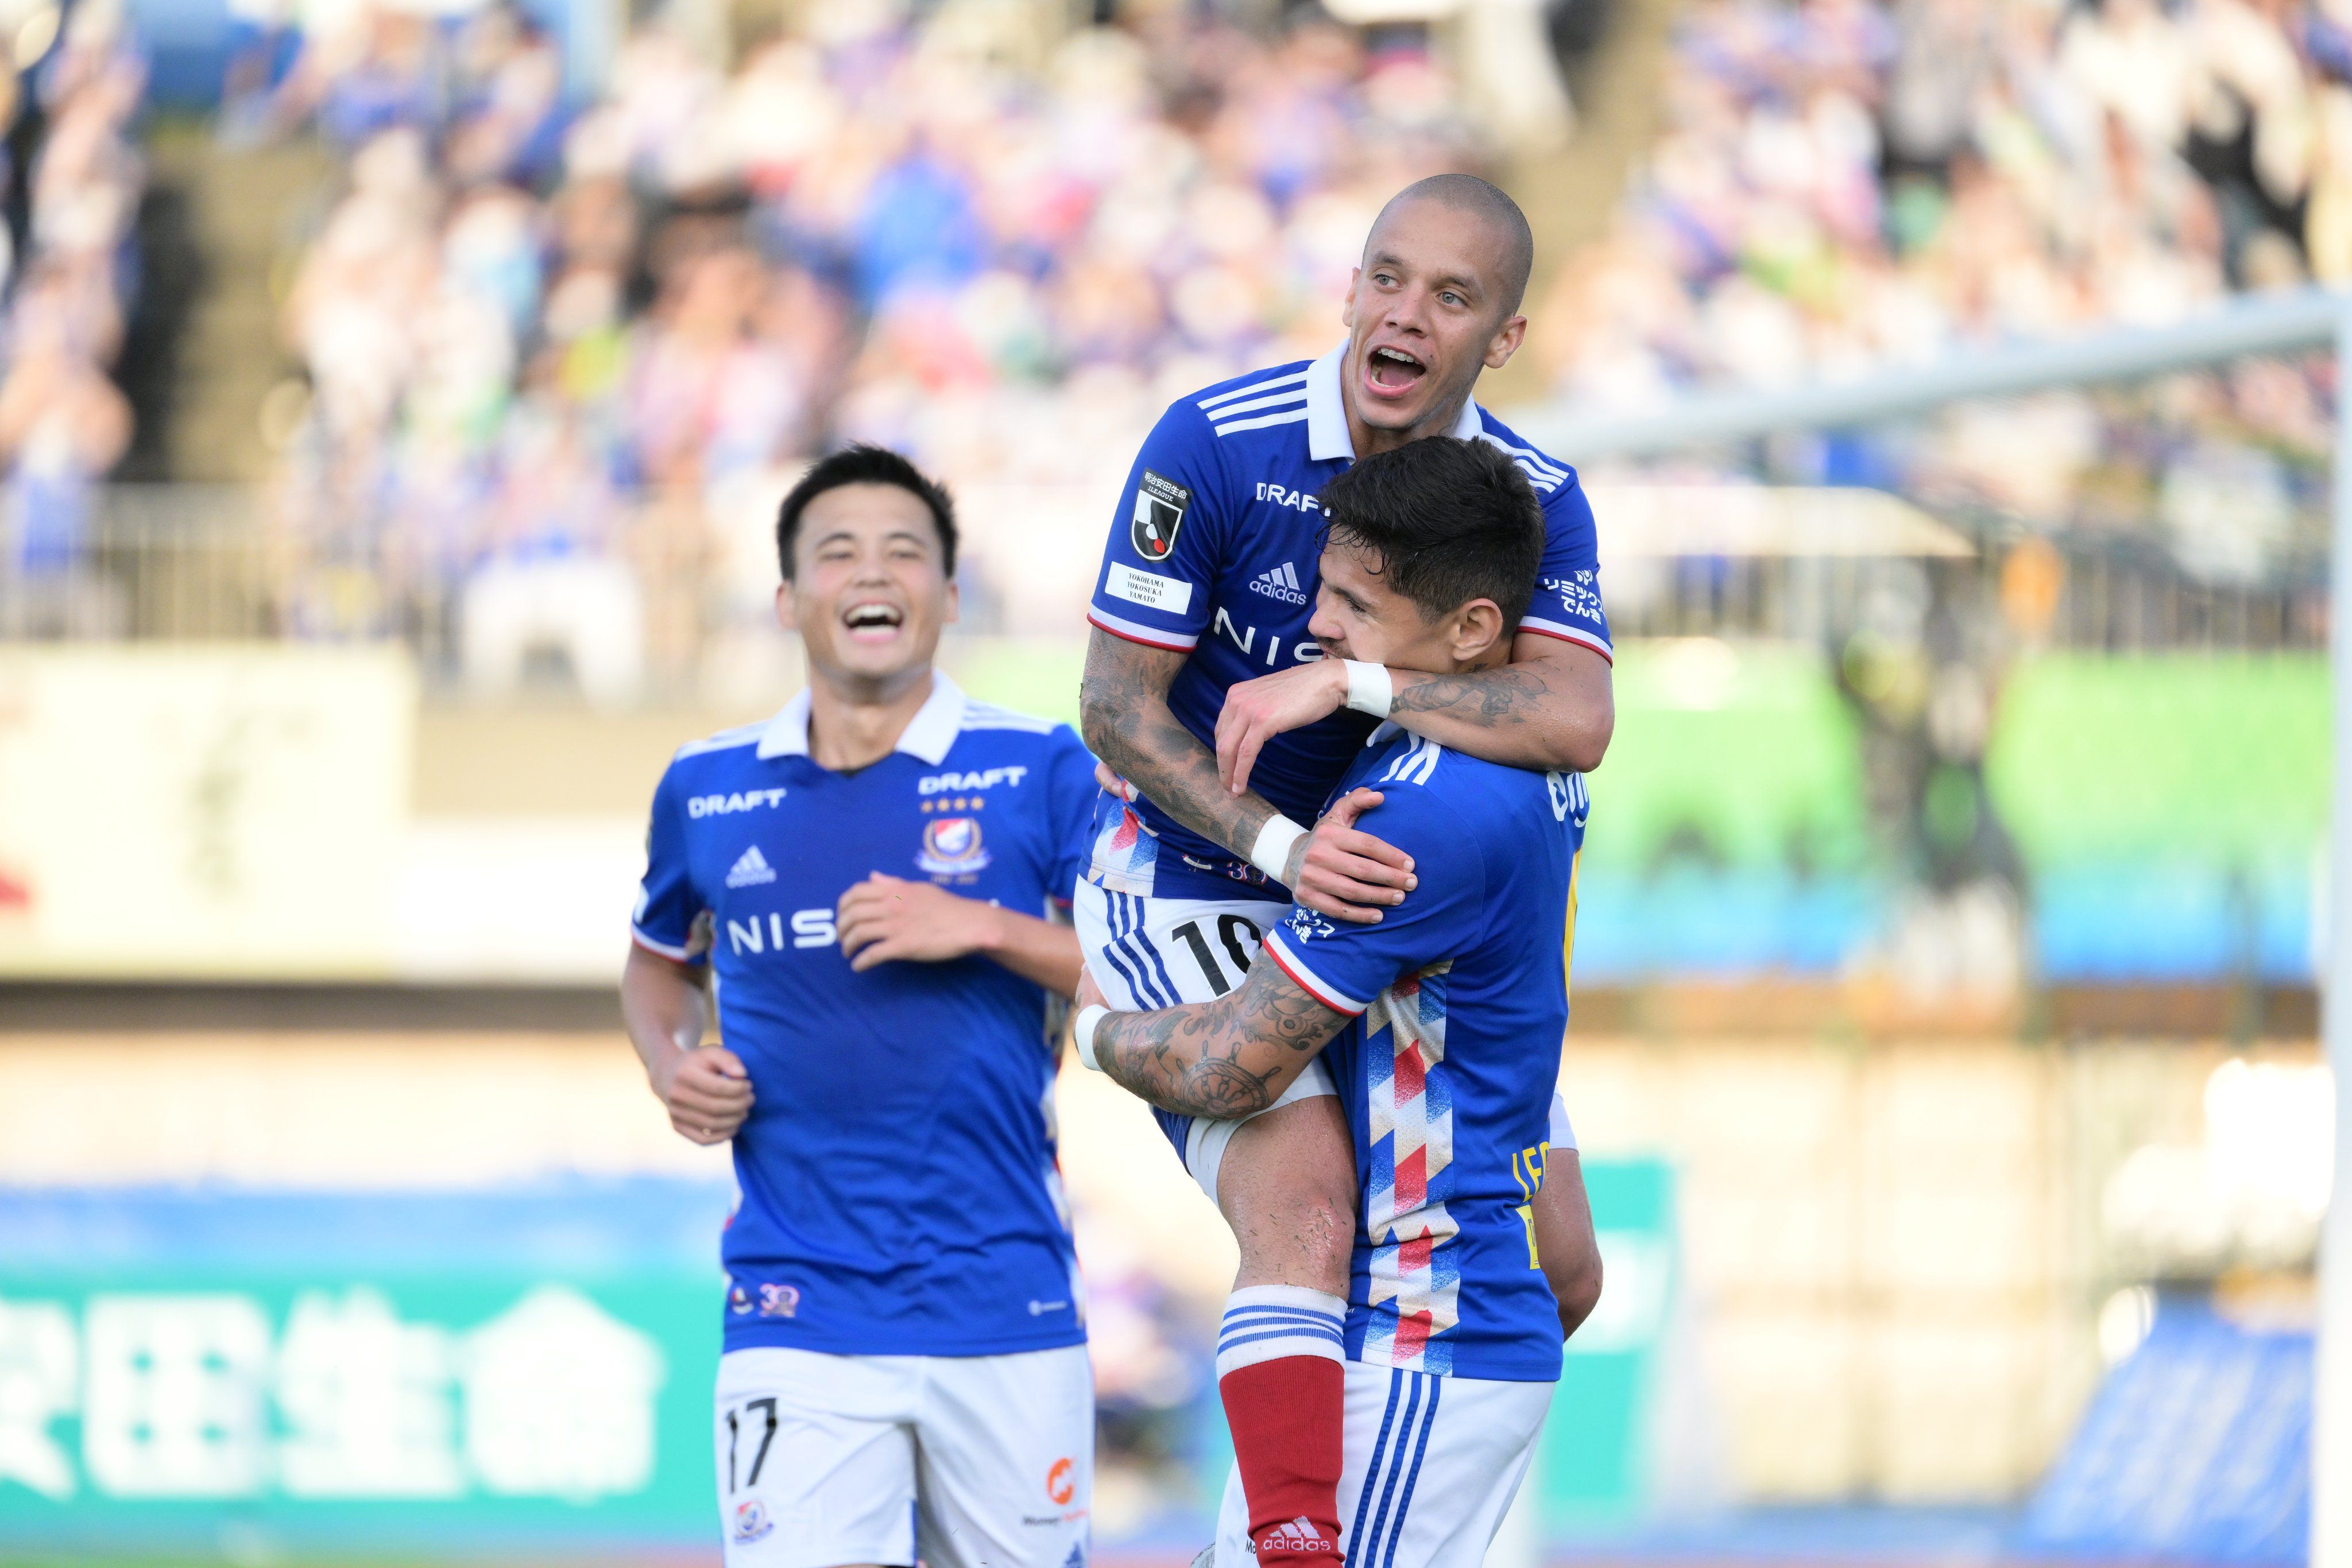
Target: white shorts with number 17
{"x":961,"y":1461}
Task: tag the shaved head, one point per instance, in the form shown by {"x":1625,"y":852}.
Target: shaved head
{"x":1515,"y":242}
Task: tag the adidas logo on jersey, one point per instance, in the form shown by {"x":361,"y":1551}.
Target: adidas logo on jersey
{"x":1298,"y":1535}
{"x":1281,"y":583}
{"x":751,"y":869}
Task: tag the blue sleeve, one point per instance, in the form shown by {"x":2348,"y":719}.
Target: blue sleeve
{"x":1567,"y":604}
{"x":1345,"y":965}
{"x":668,"y":904}
{"x":1070,"y":809}
{"x":1166,"y":538}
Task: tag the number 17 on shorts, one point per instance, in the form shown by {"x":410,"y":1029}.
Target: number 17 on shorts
{"x":983,"y":1461}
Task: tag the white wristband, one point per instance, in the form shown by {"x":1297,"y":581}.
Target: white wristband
{"x":1271,"y":853}
{"x":1371,"y":688}
{"x":1082,"y":1032}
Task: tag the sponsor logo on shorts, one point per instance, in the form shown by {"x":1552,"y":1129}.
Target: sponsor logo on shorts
{"x":951,"y":846}
{"x":751,"y":1521}
{"x":1062,"y":1482}
{"x":780,"y":1300}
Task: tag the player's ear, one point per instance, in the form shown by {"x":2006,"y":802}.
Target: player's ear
{"x":1505,"y":343}
{"x":1348,"y":300}
{"x":1477,"y":631}
{"x":787,"y":612}
{"x":955,"y":603}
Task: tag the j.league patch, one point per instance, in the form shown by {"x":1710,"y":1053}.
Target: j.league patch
{"x":1158,"y":513}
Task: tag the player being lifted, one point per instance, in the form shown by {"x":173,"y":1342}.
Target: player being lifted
{"x":1440,"y":1026}
{"x":1204,"y":691}
{"x":905,"y":1372}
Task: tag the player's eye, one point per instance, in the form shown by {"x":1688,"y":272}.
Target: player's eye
{"x":1450,"y":298}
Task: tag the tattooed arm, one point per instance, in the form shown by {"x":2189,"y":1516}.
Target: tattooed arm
{"x":1123,"y":708}
{"x":1550,"y":707}
{"x":1230,"y":1057}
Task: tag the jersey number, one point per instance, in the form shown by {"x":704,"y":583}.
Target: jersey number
{"x":1229,"y":929}
{"x":1528,"y":1170}
{"x":736,"y":1420}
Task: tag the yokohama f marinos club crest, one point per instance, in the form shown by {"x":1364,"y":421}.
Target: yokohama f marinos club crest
{"x":1159,"y":512}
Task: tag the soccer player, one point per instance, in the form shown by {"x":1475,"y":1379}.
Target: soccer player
{"x":1206,"y":693}
{"x":1439,"y":1025}
{"x":860,"y":885}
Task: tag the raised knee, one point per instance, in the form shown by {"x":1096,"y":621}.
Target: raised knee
{"x":1306,"y":1237}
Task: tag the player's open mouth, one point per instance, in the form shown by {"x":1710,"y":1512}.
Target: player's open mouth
{"x":1392,"y":370}
{"x":872,"y":622}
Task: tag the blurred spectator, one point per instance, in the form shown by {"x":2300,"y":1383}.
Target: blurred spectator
{"x":63,"y":423}
{"x":880,"y":230}
{"x":1843,"y":185}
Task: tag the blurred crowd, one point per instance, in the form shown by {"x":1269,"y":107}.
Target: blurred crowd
{"x":540,"y":340}
{"x":69,"y":270}
{"x":1841,"y":185}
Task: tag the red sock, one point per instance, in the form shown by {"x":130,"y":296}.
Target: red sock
{"x":1289,"y":1413}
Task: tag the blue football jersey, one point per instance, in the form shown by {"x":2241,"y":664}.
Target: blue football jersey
{"x":1214,"y":552}
{"x":1447,"y":1072}
{"x":900,"y":1190}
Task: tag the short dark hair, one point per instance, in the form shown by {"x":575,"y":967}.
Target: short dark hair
{"x":1487,"y":201}
{"x":865,"y":464}
{"x":1451,"y":520}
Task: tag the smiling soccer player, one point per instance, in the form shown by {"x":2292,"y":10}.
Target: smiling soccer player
{"x":860,"y":884}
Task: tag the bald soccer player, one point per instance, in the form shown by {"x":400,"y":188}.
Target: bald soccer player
{"x":1206,"y":694}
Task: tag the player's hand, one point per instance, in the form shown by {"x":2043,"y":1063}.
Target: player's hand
{"x":1346,"y":874}
{"x":706,"y":1091}
{"x":887,"y":917}
{"x":1257,"y":711}
{"x":1113,"y":785}
{"x":1089,"y":993}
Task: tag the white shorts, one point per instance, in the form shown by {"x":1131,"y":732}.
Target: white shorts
{"x":960,"y":1461}
{"x":1150,"y":953}
{"x":1431,"y":1465}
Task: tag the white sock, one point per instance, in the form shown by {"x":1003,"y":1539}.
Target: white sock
{"x":1266,"y":1323}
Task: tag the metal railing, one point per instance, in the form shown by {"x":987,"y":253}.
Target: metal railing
{"x":187,"y":562}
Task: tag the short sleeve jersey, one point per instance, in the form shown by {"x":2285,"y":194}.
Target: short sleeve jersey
{"x":1461,"y":999}
{"x":899,"y":1192}
{"x":1214,"y":552}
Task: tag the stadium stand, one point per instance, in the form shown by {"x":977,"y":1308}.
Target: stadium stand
{"x":542,"y":340}
{"x":1840,"y":186}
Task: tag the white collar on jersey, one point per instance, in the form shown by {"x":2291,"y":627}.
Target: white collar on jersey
{"x":1326,"y":416}
{"x":929,"y":735}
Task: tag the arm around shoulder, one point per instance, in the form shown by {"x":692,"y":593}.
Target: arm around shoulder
{"x":1551,"y":708}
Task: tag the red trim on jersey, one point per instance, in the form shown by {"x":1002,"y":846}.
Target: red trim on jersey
{"x":666,"y":955}
{"x":1147,"y":642}
{"x":1314,"y":989}
{"x":1581,"y":639}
